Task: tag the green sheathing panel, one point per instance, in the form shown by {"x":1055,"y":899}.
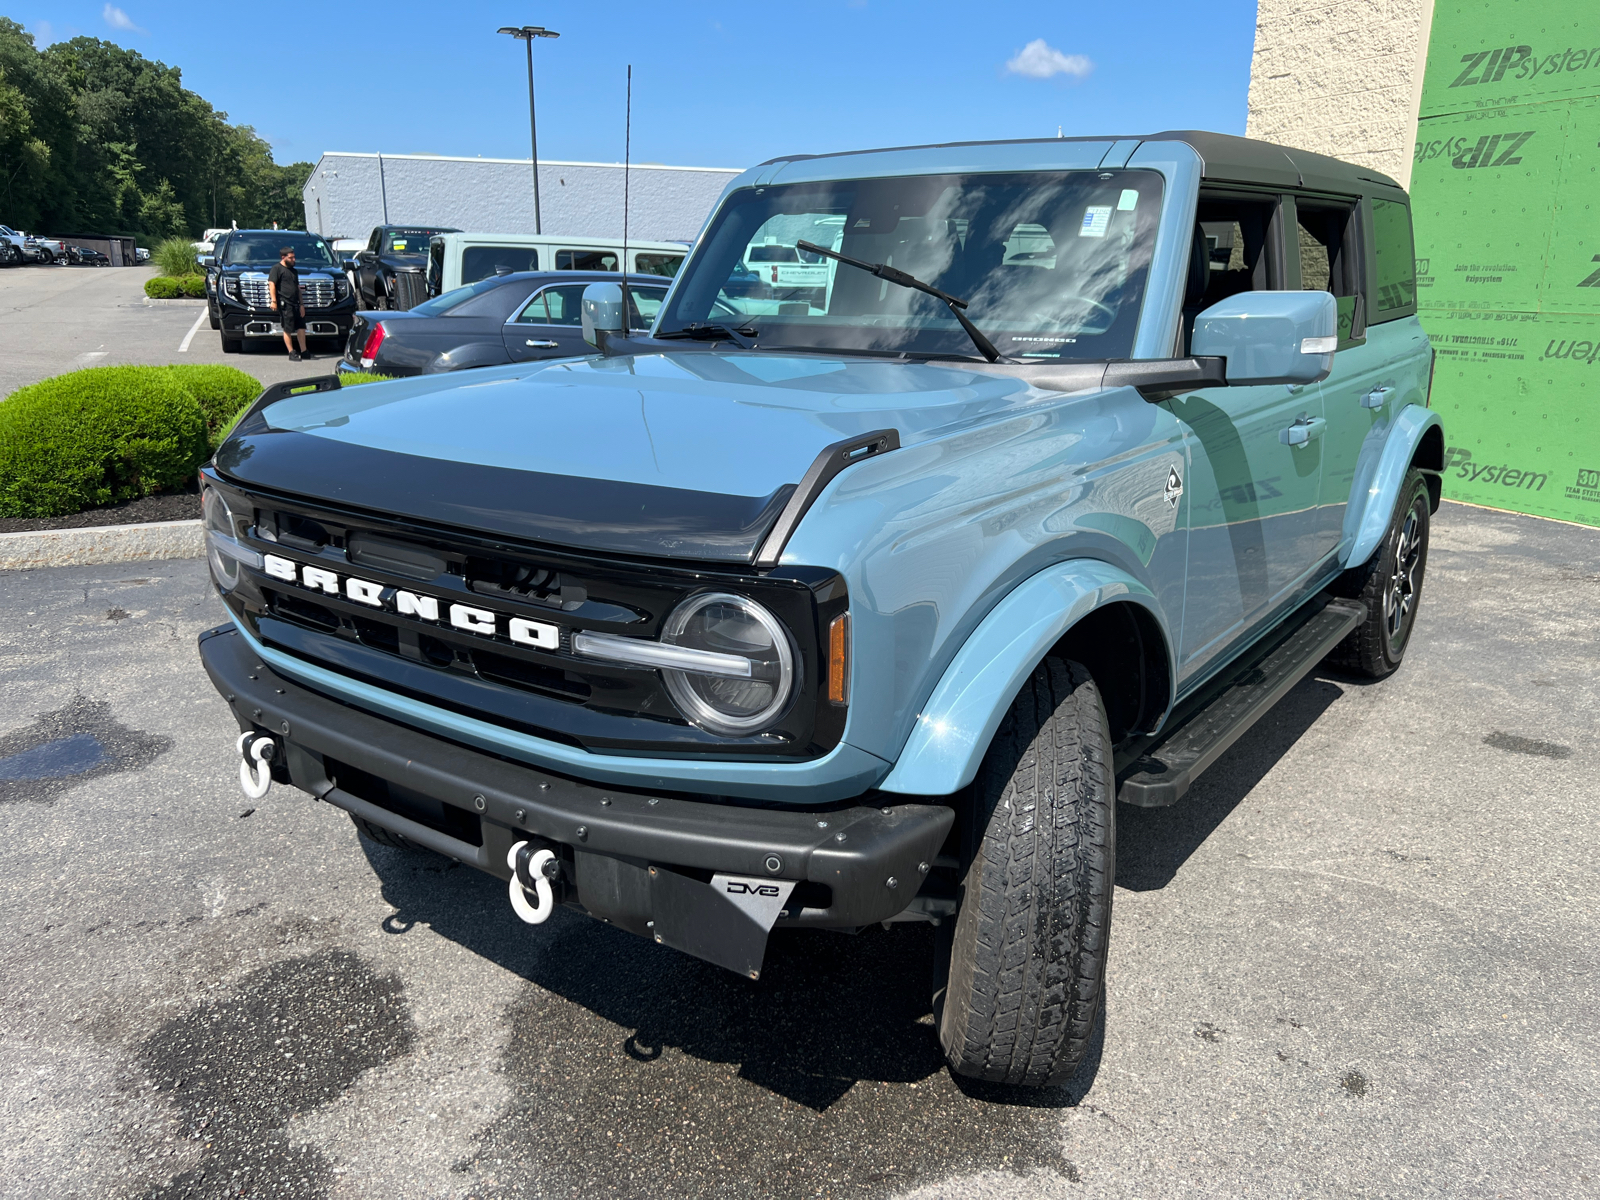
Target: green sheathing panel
{"x":1485,"y":54}
{"x":1506,"y":202}
{"x":1523,"y":391}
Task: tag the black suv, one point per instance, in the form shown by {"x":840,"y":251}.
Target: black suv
{"x":396,"y":255}
{"x":243,"y":301}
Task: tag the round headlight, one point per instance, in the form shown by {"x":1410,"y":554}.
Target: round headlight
{"x":727,"y":624}
{"x":219,"y":524}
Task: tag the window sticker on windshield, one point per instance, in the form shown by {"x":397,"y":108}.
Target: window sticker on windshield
{"x":398,"y":244}
{"x":1096,"y":220}
{"x":1128,"y":201}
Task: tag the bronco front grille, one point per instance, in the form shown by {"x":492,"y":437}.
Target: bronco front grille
{"x":547,"y":690}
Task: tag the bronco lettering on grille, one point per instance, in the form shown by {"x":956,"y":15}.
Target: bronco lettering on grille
{"x":541,"y":635}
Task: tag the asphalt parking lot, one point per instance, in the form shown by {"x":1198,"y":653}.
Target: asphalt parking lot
{"x":59,"y":318}
{"x":1360,"y":959}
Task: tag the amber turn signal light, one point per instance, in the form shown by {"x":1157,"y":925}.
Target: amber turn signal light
{"x":839,"y":659}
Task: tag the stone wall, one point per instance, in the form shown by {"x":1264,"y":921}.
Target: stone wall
{"x":1341,"y":77}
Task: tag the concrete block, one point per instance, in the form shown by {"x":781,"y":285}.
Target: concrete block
{"x":101,"y":544}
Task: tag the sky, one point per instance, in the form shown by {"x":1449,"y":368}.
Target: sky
{"x":714,"y":85}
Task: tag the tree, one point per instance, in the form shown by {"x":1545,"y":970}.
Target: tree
{"x":94,"y":135}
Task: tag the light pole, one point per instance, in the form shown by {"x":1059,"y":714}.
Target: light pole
{"x":526,"y":34}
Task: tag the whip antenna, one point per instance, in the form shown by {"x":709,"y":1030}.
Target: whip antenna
{"x":627,"y":155}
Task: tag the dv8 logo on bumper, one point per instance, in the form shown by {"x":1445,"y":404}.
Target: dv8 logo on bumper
{"x":541,"y":635}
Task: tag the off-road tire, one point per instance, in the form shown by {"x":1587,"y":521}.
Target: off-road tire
{"x":1028,"y":953}
{"x":216,"y":321}
{"x":384,"y":837}
{"x":1390,"y":585}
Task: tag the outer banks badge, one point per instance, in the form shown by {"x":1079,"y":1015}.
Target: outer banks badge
{"x":1174,"y":487}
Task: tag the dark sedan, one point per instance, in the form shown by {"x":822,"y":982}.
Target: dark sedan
{"x":504,"y":319}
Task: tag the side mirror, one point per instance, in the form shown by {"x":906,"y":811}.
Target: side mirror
{"x":602,"y":313}
{"x":1270,"y":337}
{"x":206,"y":260}
{"x":349,"y":264}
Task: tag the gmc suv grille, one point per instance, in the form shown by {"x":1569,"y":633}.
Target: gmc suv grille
{"x":315,"y":291}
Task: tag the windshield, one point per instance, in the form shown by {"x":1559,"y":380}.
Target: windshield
{"x":1052,"y":265}
{"x":409,"y":243}
{"x":264,"y":250}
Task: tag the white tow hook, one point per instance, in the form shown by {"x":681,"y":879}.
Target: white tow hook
{"x":255,"y":764}
{"x":541,"y":885}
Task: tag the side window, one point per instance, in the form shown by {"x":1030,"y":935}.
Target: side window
{"x":480,"y":262}
{"x":534,"y":312}
{"x":657,"y":264}
{"x":1330,"y":261}
{"x":1237,"y":251}
{"x":586,"y":260}
{"x":1395,"y":288}
{"x":377,"y":236}
{"x":565,"y":304}
{"x":646,"y":304}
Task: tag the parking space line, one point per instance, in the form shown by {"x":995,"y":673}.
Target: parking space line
{"x":183,"y":346}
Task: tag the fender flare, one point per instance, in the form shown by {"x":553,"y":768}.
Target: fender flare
{"x":956,"y":725}
{"x":1367,"y":520}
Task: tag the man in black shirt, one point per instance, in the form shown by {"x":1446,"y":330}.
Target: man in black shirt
{"x":283,"y":286}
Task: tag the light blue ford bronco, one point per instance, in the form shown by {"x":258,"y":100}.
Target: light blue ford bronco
{"x":956,"y":494}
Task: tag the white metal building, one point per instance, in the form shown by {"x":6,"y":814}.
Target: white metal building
{"x":348,"y":194}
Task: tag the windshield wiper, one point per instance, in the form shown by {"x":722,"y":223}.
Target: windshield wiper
{"x":892,"y":275}
{"x":707,"y":331}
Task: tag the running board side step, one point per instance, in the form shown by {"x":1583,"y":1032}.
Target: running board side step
{"x":1170,"y":763}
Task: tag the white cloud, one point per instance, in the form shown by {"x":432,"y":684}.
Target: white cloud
{"x":44,"y":33}
{"x":1040,"y":60}
{"x":118,"y":19}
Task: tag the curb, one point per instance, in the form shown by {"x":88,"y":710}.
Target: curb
{"x":101,"y":544}
{"x":181,"y":301}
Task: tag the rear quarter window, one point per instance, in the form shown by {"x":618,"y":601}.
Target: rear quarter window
{"x":1395,"y":281}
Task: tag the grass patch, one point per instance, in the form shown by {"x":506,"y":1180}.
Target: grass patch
{"x":176,"y":257}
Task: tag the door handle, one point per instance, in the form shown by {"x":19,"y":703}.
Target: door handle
{"x":1376,"y":397}
{"x":540,"y":345}
{"x":1306,"y":429}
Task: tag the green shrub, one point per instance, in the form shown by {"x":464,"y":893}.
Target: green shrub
{"x":355,"y":377}
{"x":192,"y":286}
{"x":222,"y":393}
{"x":161,"y":287}
{"x":176,"y":256}
{"x":97,"y":436}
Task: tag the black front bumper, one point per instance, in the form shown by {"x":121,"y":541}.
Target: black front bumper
{"x":856,"y":865}
{"x":257,"y":323}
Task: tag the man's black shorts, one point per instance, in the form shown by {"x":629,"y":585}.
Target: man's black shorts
{"x":289,"y":317}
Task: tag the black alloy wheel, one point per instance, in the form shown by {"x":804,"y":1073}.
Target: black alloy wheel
{"x":1390,"y":585}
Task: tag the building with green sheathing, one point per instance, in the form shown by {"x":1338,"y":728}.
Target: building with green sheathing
{"x":1488,"y":111}
{"x":1505,"y":191}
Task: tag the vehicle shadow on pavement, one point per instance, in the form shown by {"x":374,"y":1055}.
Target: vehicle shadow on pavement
{"x":830,"y":1009}
{"x":1153,"y":843}
{"x":637,"y":1070}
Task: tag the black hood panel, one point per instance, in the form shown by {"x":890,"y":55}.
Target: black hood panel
{"x":558,"y":510}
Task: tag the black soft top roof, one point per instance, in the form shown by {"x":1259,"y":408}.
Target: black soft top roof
{"x":1227,"y":159}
